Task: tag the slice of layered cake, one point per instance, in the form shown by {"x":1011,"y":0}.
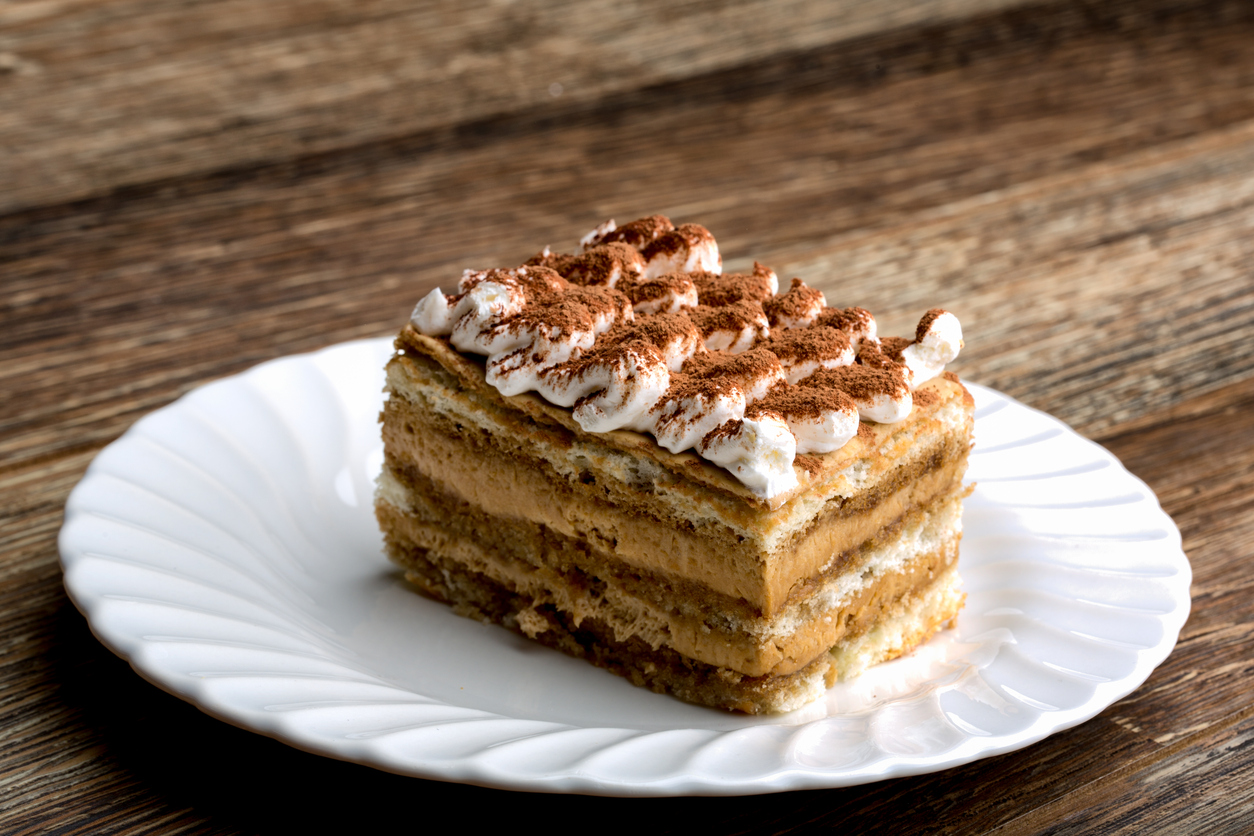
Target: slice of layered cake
{"x":720,"y":491}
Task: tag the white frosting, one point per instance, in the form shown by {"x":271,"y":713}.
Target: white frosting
{"x":677,"y":352}
{"x":673,"y":300}
{"x":611,"y":392}
{"x":759,"y":453}
{"x":756,"y":390}
{"x":519,"y":370}
{"x":594,"y":237}
{"x":830,"y":431}
{"x":771,"y":278}
{"x":741,"y":339}
{"x":700,"y":255}
{"x":811,"y":303}
{"x":927,"y":358}
{"x":519,"y":351}
{"x":797,"y":371}
{"x":886,"y":409}
{"x":626,"y":385}
{"x":736,"y":342}
{"x":433,"y":315}
{"x":865,"y":331}
{"x":633,"y":384}
{"x":682,"y":423}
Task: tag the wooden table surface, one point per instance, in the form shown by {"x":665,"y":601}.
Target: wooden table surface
{"x":187,"y":189}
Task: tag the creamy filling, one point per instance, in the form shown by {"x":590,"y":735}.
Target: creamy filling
{"x":840,"y":607}
{"x":715,"y":556}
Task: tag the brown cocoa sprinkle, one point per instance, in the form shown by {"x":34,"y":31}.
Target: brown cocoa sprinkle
{"x":570,"y":293}
{"x":559,"y":262}
{"x":682,"y":237}
{"x":891,"y":347}
{"x":925,"y":397}
{"x":808,"y":463}
{"x":702,"y":365}
{"x":650,"y":290}
{"x":801,"y":345}
{"x":746,"y":367}
{"x":568,"y":312}
{"x":608,"y":354}
{"x":598,"y":264}
{"x":664,"y":329}
{"x":639,"y":233}
{"x":862,"y":383}
{"x":849,"y":320}
{"x":802,"y":403}
{"x":718,"y":290}
{"x":725,"y":430}
{"x":925,"y":324}
{"x":685,"y":386}
{"x":872,"y":355}
{"x":535,"y":280}
{"x":711,"y":373}
{"x":734,"y":317}
{"x":799,"y":303}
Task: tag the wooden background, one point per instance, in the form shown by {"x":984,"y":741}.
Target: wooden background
{"x":189,"y":188}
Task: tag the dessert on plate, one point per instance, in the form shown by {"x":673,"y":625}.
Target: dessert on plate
{"x":715,"y":487}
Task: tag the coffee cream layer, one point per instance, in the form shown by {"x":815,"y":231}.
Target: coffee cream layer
{"x":666,"y":548}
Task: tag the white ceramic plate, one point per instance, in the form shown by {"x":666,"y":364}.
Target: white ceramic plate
{"x":226,"y":546}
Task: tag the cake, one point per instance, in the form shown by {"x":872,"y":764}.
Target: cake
{"x":720,"y":491}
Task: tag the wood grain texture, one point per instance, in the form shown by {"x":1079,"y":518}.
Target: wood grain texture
{"x":94,"y":95}
{"x":1076,"y":181}
{"x":953,"y":188}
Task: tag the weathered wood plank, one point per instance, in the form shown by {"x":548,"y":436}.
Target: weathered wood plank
{"x":967,"y":188}
{"x":1097,"y":295}
{"x":94,"y":95}
{"x":1193,"y":713}
{"x":1111,"y":167}
{"x":1199,"y":788}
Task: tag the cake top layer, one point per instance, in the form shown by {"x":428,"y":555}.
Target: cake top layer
{"x":642,"y":331}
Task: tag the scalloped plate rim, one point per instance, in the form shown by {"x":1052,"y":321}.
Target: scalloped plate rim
{"x":467,"y":770}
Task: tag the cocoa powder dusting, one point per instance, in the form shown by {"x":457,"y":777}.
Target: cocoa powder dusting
{"x":598,"y":264}
{"x":849,"y":320}
{"x":798,"y":403}
{"x":558,"y":262}
{"x":537,"y":280}
{"x":717,"y":290}
{"x":682,"y":237}
{"x":568,"y":312}
{"x":808,"y":463}
{"x":727,"y":429}
{"x":815,"y":344}
{"x":648,"y":290}
{"x":891,"y":347}
{"x":640,"y":233}
{"x":925,"y":397}
{"x":567,"y":294}
{"x":734,"y":317}
{"x":872,"y":355}
{"x":862,"y":383}
{"x":799,"y":303}
{"x":750,"y":365}
{"x":664,"y":329}
{"x":925,"y":324}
